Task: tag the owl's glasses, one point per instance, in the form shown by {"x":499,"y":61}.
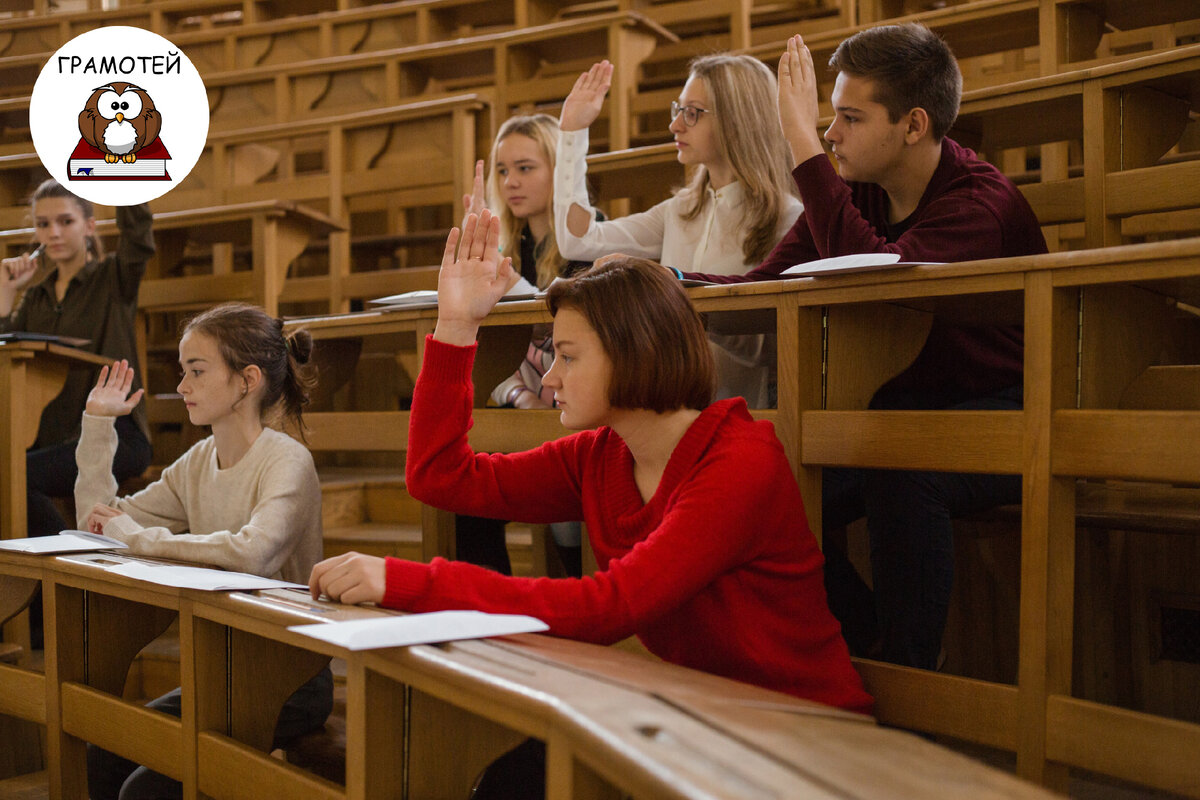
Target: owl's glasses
{"x":691,"y":114}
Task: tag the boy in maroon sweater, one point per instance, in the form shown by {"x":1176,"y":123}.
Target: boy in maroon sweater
{"x":904,"y":188}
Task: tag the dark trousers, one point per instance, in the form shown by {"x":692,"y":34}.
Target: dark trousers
{"x":909,"y":517}
{"x":479,"y":540}
{"x":50,"y":472}
{"x":111,"y":777}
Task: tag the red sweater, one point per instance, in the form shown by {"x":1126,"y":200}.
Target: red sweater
{"x":718,"y":572}
{"x":969,"y":210}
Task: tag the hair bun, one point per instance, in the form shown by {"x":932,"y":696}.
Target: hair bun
{"x":300,"y":344}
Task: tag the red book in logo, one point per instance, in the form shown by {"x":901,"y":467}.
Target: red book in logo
{"x":88,"y":164}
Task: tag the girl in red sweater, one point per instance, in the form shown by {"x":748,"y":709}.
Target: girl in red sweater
{"x":691,"y":508}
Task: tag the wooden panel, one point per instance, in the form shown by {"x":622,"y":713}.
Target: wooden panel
{"x":232,"y":771}
{"x":358,"y":430}
{"x":22,"y":694}
{"x":954,"y":441}
{"x":136,"y":733}
{"x":1142,"y":748}
{"x":976,"y":711}
{"x":1136,"y":445}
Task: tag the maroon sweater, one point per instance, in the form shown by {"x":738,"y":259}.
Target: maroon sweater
{"x":969,"y":211}
{"x":718,"y":571}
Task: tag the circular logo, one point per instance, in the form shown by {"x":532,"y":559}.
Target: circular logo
{"x":119,"y":115}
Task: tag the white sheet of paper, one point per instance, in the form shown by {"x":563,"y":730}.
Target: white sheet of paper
{"x":856,"y":262}
{"x":437,"y":626}
{"x":418,"y":297}
{"x":64,"y":542}
{"x":213,"y":580}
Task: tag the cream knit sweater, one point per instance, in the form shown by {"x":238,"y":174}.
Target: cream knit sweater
{"x":262,"y":515}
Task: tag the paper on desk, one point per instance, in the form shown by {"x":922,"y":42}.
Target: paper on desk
{"x":64,"y":542}
{"x":437,"y":626}
{"x":213,"y":580}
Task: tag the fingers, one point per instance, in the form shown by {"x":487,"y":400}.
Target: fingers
{"x":470,"y":225}
{"x":451,"y":246}
{"x":478,"y":186}
{"x":491,"y":248}
{"x":320,"y":573}
{"x":101,"y":381}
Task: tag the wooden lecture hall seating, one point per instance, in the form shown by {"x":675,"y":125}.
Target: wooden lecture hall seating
{"x":343,"y":137}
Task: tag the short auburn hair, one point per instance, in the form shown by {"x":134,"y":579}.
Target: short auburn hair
{"x":911,"y":67}
{"x":649,"y":330}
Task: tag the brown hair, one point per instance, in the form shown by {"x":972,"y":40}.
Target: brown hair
{"x":649,"y":330}
{"x":911,"y":67}
{"x":542,"y":129}
{"x":52,"y":188}
{"x":246,"y":335}
{"x":741,"y":91}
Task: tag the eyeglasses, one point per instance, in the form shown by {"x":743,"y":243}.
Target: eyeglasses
{"x":691,"y":114}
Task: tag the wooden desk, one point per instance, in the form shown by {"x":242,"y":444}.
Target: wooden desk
{"x":421,"y":721}
{"x":31,"y":375}
{"x":839,"y":339}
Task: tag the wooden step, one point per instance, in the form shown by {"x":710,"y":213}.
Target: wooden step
{"x":351,"y":496}
{"x":400,"y":540}
{"x":32,"y":786}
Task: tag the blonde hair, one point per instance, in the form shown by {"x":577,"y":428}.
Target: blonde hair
{"x":543,"y":130}
{"x":742,"y":96}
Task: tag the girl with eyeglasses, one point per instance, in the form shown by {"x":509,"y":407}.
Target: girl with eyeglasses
{"x":740,"y":199}
{"x":739,"y":202}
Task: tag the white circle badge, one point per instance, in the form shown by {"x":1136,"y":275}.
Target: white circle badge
{"x":119,"y":116}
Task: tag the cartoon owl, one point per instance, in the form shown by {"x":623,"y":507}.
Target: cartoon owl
{"x":118,"y":120}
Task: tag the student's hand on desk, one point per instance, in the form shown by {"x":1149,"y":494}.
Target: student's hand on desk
{"x":476,"y":201}
{"x":473,"y":281}
{"x":583,"y":104}
{"x":350,"y":578}
{"x":110,"y":396}
{"x":798,"y":114}
{"x":100,"y":515}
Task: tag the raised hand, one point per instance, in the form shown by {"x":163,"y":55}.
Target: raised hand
{"x":583,"y":104}
{"x":472,"y":280}
{"x":349,"y":578}
{"x":110,"y":396}
{"x":798,"y":113}
{"x":476,"y":201}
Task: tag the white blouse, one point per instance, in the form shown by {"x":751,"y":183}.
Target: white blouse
{"x":710,"y":242}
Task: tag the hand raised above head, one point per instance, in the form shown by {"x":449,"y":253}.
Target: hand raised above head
{"x":476,"y":201}
{"x":798,"y":113}
{"x":472,"y":279}
{"x":583,"y":104}
{"x":110,"y":396}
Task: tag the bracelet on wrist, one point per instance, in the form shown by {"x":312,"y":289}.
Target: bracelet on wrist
{"x":516,"y":392}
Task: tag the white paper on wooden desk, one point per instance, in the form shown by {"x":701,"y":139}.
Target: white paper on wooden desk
{"x":213,"y":580}
{"x":436,"y":626}
{"x":855,"y":262}
{"x":413,"y":298}
{"x":64,"y":542}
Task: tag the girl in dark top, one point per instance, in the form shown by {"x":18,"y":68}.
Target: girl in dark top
{"x":520,"y":188}
{"x":73,"y":289}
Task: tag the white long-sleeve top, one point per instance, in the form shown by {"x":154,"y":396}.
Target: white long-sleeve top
{"x":710,"y":242}
{"x":262,"y":515}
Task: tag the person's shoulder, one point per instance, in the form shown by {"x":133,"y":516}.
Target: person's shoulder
{"x":737,"y":434}
{"x":285,"y":445}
